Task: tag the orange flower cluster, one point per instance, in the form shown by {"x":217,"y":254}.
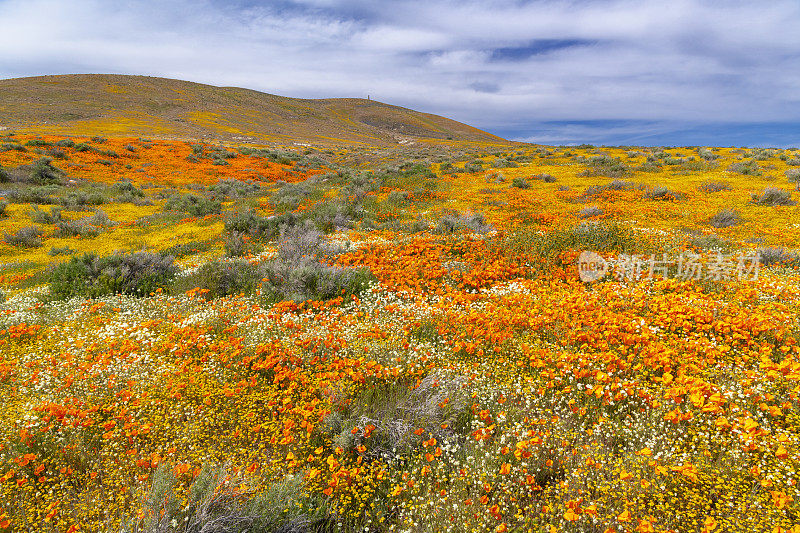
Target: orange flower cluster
{"x":163,"y":163}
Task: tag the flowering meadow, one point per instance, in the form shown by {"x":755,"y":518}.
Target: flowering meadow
{"x":220,"y":338}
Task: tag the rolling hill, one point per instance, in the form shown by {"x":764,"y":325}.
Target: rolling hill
{"x":122,"y":105}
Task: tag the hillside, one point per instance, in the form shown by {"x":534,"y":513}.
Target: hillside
{"x":109,"y":104}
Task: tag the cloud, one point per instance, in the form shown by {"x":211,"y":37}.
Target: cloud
{"x":660,"y":133}
{"x":501,"y":65}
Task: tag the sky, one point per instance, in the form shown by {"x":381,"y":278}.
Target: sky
{"x":666,"y":72}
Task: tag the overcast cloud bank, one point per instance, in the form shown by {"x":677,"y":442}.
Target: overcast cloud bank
{"x":605,"y":72}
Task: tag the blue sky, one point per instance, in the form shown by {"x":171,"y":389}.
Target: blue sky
{"x":678,"y":72}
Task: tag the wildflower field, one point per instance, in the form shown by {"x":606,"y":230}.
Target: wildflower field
{"x":227,"y":338}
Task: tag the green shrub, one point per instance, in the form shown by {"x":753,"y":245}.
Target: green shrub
{"x":44,"y":173}
{"x":590,"y":212}
{"x":707,"y":154}
{"x":660,"y":192}
{"x":504,"y":163}
{"x":233,"y":188}
{"x":90,"y":276}
{"x":219,"y":502}
{"x":239,"y":244}
{"x":299,"y":242}
{"x":473,"y":166}
{"x":649,"y":166}
{"x":43,"y":217}
{"x":398,"y":197}
{"x":54,"y":153}
{"x":280,"y":157}
{"x":520,"y":183}
{"x":224,"y":278}
{"x":3,"y":206}
{"x":725,"y":218}
{"x":7,"y":147}
{"x":236,"y":244}
{"x":603,"y":165}
{"x":297,"y":272}
{"x":793,"y":175}
{"x":773,"y":196}
{"x":308,"y":279}
{"x":188,"y":248}
{"x":35,"y":195}
{"x":770,"y":256}
{"x":197,"y":206}
{"x":61,"y":250}
{"x":28,"y":237}
{"x":418,"y":225}
{"x":452,"y":222}
{"x":37,"y":142}
{"x":86,"y":226}
{"x":81,"y":199}
{"x":714,"y":186}
{"x":65,"y":143}
{"x":135,"y":200}
{"x":221,"y":153}
{"x":5,"y":177}
{"x":335,"y":214}
{"x":258,"y":227}
{"x":747,"y":168}
{"x":395,"y":177}
{"x":615,"y":185}
{"x":127,"y":192}
{"x":291,"y":195}
{"x":127,"y":188}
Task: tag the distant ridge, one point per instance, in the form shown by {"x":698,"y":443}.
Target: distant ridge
{"x":122,"y":105}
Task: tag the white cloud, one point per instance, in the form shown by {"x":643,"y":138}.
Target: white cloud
{"x":399,"y":40}
{"x":685,"y":60}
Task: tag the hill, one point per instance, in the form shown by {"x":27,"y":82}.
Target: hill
{"x":110,"y":104}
